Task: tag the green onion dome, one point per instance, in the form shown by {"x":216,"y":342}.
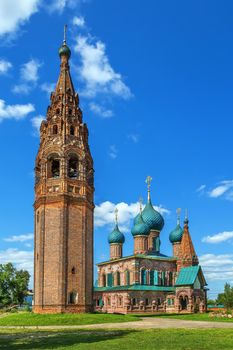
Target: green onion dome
{"x":64,"y":51}
{"x":176,"y":235}
{"x":152,"y":217}
{"x":140,"y":228}
{"x":116,"y":236}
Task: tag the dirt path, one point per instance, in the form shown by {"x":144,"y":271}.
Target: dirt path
{"x":145,"y":323}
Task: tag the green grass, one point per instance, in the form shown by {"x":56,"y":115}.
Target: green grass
{"x":162,"y":339}
{"x":31,"y":319}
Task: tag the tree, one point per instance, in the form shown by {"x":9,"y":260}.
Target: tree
{"x":220,"y":299}
{"x":228,"y":296}
{"x":13,"y":285}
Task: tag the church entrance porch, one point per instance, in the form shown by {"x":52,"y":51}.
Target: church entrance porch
{"x":183,"y":303}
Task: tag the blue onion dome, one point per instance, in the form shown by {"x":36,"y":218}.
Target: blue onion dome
{"x":116,"y":236}
{"x":64,"y":50}
{"x":176,"y":235}
{"x":152,"y":217}
{"x":140,"y":228}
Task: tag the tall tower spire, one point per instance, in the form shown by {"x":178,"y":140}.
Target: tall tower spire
{"x":63,"y":203}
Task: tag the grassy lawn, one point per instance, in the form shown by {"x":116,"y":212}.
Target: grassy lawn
{"x":31,"y":319}
{"x":162,"y":339}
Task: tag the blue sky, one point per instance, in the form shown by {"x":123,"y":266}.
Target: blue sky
{"x":155,"y":81}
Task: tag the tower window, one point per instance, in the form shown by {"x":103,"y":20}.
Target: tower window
{"x":70,"y":111}
{"x":55,"y":168}
{"x":54,"y":129}
{"x":73,"y":270}
{"x":73,"y":298}
{"x":57,"y":111}
{"x":72,"y":130}
{"x":38,"y":217}
{"x":73,"y":168}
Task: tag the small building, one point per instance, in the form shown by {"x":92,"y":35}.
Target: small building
{"x":147,"y":280}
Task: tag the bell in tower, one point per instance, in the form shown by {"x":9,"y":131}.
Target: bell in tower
{"x":64,"y":187}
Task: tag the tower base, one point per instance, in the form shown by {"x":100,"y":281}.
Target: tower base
{"x":61,"y":309}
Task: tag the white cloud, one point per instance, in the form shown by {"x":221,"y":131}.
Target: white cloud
{"x":48,"y":87}
{"x":14,"y":13}
{"x":133,"y":137}
{"x":224,"y":188}
{"x":100,"y":110}
{"x":29,"y":70}
{"x":104,"y":213}
{"x":219,"y":237}
{"x":36,"y":123}
{"x":201,"y":189}
{"x":78,"y":21}
{"x":5,"y":66}
{"x":113,"y":152}
{"x":60,"y":5}
{"x":21,"y":259}
{"x":96,"y":70}
{"x":217,"y":267}
{"x":16,"y":111}
{"x":21,"y":89}
{"x":20,"y":238}
{"x":29,"y":77}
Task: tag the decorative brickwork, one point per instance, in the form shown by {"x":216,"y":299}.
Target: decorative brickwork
{"x":63,"y":278}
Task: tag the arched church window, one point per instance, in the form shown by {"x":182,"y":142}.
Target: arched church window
{"x":73,"y":167}
{"x":104,"y":280}
{"x":146,"y":301}
{"x":118,"y":278}
{"x":70,"y":111}
{"x":152,"y":272}
{"x":73,"y":270}
{"x":143,"y":277}
{"x":134,"y":301}
{"x":72,"y":130}
{"x":57,"y":111}
{"x":127,"y":277}
{"x":55,"y":130}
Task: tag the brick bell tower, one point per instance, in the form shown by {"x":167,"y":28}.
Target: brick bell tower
{"x":64,"y":187}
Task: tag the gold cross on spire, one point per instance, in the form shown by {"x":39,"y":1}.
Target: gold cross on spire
{"x":186,"y":214}
{"x":65,"y":29}
{"x":148,"y":182}
{"x":178,"y":211}
{"x":140,"y":203}
{"x":116,"y":216}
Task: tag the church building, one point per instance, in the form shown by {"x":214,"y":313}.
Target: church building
{"x":147,"y":280}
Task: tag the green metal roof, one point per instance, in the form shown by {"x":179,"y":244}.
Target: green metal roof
{"x":116,"y":236}
{"x":142,"y":256}
{"x":187,"y":275}
{"x":134,"y":288}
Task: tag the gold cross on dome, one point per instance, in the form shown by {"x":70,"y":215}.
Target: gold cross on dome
{"x":140,"y":203}
{"x":148,"y":181}
{"x":116,"y":216}
{"x":65,"y":29}
{"x":178,"y":211}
